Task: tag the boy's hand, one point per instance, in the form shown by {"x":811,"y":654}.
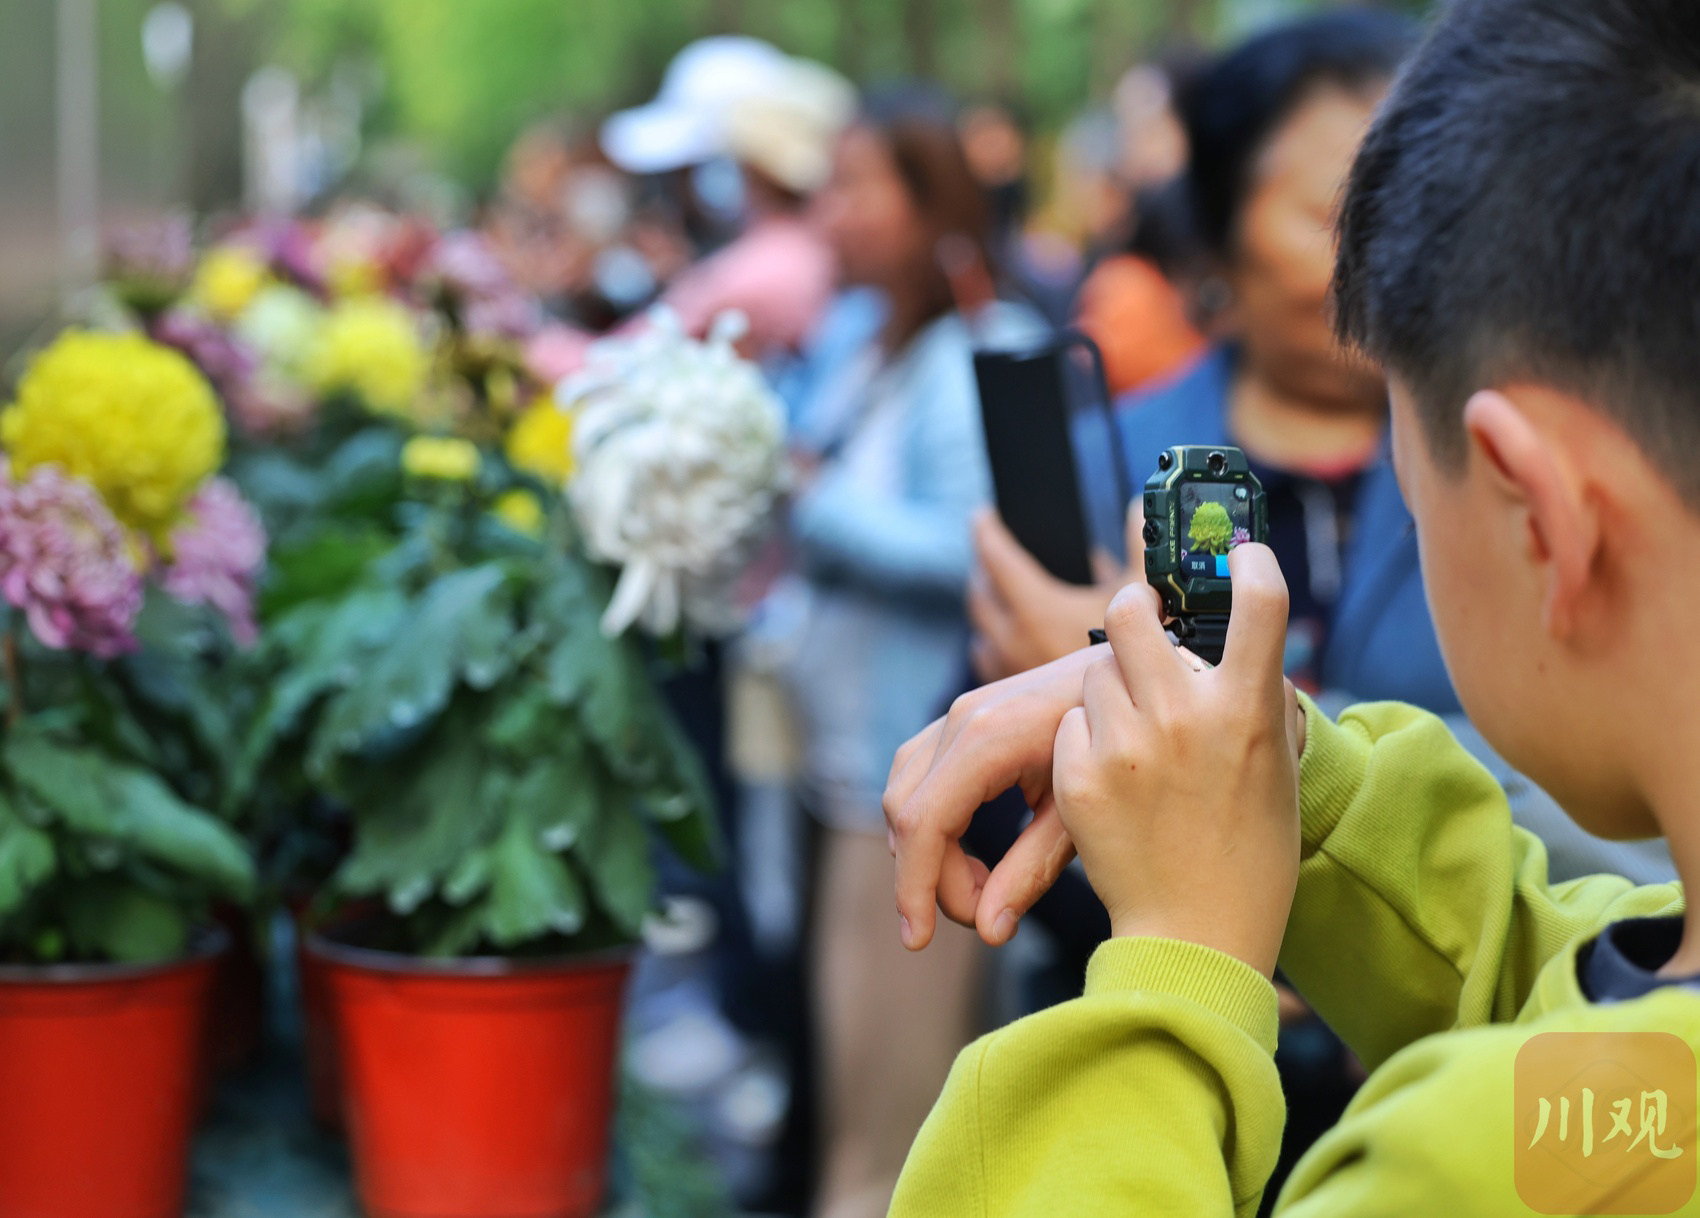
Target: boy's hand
{"x":1178,"y":783}
{"x":994,"y":738}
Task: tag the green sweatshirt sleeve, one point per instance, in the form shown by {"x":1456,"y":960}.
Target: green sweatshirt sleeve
{"x":1154,"y":1093}
{"x":1420,"y":909}
{"x":1420,"y":906}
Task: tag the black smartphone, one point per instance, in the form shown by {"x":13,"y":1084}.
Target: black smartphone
{"x":1057,"y":470}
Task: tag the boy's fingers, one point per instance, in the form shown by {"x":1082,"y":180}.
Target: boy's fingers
{"x":1257,"y":627}
{"x":928,"y":823}
{"x":910,"y":766}
{"x":992,"y":739}
{"x":1026,"y":872}
{"x":960,"y":882}
{"x":1073,"y":747}
{"x":1108,"y":706}
{"x":920,"y":863}
{"x":1143,"y":650}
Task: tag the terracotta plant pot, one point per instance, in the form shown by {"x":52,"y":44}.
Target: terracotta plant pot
{"x":102,"y":1073}
{"x":481,"y":1086}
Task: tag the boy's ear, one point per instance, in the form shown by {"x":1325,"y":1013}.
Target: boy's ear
{"x":1510,"y":434}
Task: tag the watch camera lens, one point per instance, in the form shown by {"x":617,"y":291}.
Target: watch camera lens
{"x":1217,"y":462}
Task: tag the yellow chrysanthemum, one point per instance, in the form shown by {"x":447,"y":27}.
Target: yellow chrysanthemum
{"x":442,"y":457}
{"x":371,"y":347}
{"x":227,"y":281}
{"x":130,"y":417}
{"x":541,"y":443}
{"x":521,"y":511}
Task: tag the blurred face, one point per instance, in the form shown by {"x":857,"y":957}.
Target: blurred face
{"x":537,"y":169}
{"x":868,"y":215}
{"x":1284,"y":257}
{"x":1153,"y":139}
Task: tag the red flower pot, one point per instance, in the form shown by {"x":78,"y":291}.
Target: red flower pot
{"x":100,"y":1076}
{"x":482,"y":1086}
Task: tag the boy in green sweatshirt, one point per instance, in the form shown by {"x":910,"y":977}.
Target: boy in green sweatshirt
{"x":1519,"y":246}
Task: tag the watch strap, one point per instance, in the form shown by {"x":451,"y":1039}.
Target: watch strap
{"x":1205,"y":635}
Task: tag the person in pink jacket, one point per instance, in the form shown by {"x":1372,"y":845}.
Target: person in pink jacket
{"x":778,"y":118}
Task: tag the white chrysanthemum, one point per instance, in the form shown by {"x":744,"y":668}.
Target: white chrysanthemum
{"x":679,"y":449}
{"x":281,"y":325}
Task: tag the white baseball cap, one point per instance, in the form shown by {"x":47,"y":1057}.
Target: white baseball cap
{"x":685,"y":124}
{"x":787,"y":130}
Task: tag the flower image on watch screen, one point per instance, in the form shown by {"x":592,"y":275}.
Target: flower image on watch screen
{"x":1215,"y":517}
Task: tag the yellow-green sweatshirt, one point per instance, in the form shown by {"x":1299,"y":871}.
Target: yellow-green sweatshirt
{"x":1424,"y":931}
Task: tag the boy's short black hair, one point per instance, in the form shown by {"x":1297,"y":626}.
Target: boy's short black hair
{"x":1232,"y":108}
{"x":1527,"y":206}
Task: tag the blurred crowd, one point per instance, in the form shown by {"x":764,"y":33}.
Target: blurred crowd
{"x":872,"y":240}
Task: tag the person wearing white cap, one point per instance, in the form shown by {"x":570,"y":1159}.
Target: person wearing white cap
{"x":778,"y":118}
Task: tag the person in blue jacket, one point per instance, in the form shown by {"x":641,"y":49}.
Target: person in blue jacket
{"x":1272,"y":128}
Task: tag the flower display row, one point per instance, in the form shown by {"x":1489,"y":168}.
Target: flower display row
{"x":129,"y":568}
{"x":339,"y":580}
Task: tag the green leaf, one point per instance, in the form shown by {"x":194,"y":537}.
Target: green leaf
{"x":460,"y":628}
{"x":560,"y":796}
{"x":617,"y":860}
{"x":27,"y":858}
{"x":606,"y":680}
{"x":680,"y":800}
{"x":164,"y":828}
{"x":365,"y":471}
{"x":454,"y":935}
{"x":98,"y":798}
{"x":414,"y":828}
{"x":695,"y":838}
{"x":280,"y":486}
{"x":469,"y":878}
{"x":526,"y":724}
{"x":69,"y":782}
{"x":327,"y":648}
{"x":327,"y":564}
{"x":533,"y":892}
{"x":171,"y":630}
{"x":121,"y":922}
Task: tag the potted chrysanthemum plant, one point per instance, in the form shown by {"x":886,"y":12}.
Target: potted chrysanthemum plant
{"x":478,"y":704}
{"x":126,"y":568}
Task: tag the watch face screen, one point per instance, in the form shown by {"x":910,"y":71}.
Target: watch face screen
{"x":1214,"y":518}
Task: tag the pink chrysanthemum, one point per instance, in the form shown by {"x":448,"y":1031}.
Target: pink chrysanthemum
{"x":217,"y":554}
{"x":67,"y":564}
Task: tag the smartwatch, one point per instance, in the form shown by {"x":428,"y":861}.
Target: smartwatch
{"x":1200,"y":503}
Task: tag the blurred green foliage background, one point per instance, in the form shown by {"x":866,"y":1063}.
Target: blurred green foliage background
{"x":462,"y":75}
{"x":445,"y":85}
